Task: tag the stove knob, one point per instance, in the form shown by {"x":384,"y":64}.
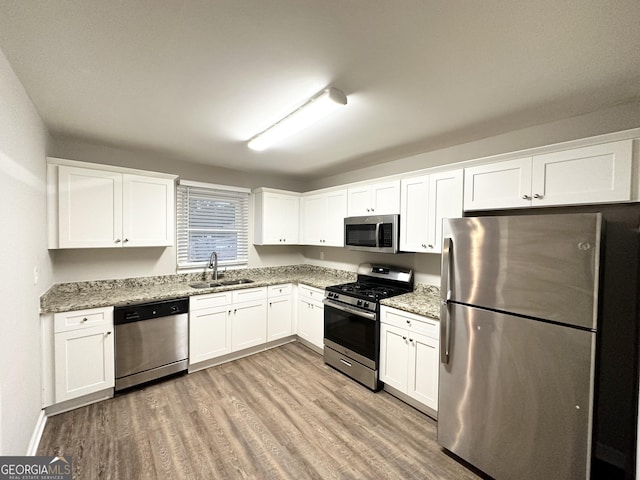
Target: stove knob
{"x":366,"y":305}
{"x":359,"y":303}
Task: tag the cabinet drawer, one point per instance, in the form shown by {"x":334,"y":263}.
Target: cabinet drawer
{"x":199,"y":302}
{"x":249,"y":294}
{"x":66,"y":321}
{"x":278,"y":290}
{"x":310,"y":292}
{"x":411,"y":322}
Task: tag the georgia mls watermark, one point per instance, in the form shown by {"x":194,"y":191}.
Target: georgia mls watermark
{"x":35,"y":468}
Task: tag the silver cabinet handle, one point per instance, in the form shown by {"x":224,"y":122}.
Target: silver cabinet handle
{"x":345,"y":362}
{"x":125,"y":240}
{"x":84,"y":319}
{"x":445,"y":291}
{"x":526,"y":197}
{"x":430,"y":246}
{"x":537,"y":195}
{"x":118,"y":240}
{"x":108,"y":333}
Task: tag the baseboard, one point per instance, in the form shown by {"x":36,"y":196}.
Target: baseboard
{"x":32,"y":449}
{"x":411,"y":401}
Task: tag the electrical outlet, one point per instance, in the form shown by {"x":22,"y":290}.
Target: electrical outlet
{"x":36,"y":275}
{"x":321,"y":255}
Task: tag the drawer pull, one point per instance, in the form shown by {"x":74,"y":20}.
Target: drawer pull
{"x":345,"y":362}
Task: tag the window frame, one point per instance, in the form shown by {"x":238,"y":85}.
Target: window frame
{"x":238,"y":196}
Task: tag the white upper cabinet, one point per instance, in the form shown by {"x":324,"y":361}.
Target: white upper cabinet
{"x":425,"y":201}
{"x":323,"y":218}
{"x":148,"y":213}
{"x":276,"y":217}
{"x":594,"y":174}
{"x":374,"y":199}
{"x":93,"y":208}
{"x":89,"y":208}
{"x":498,"y":185}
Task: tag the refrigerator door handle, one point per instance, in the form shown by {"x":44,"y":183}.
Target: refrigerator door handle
{"x":445,"y":292}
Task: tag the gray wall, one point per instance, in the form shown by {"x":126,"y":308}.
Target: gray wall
{"x":100,"y":264}
{"x":23,"y":143}
{"x":621,"y":117}
{"x":77,"y":265}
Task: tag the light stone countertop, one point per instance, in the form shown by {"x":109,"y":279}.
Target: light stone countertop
{"x":65,"y":297}
{"x":424,"y":300}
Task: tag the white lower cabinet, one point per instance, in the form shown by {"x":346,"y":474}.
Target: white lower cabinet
{"x":83,"y":353}
{"x":209,"y":326}
{"x":409,"y":355}
{"x":311,"y":315}
{"x":279,"y":312}
{"x":209,"y":333}
{"x":249,"y":324}
{"x":226,"y":322}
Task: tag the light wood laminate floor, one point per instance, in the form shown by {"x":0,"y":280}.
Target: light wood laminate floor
{"x":279,"y":414}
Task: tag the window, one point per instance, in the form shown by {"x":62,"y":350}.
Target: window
{"x":212,"y":218}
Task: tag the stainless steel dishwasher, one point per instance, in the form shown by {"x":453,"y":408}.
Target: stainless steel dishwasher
{"x":151,"y":341}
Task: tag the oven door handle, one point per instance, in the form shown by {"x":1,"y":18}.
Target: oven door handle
{"x":368,"y":315}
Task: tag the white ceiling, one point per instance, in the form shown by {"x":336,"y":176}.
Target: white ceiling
{"x":195,"y":79}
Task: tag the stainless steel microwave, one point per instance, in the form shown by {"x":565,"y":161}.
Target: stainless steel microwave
{"x":375,"y":233}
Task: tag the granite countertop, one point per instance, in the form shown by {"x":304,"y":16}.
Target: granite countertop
{"x":424,"y":300}
{"x":65,"y":297}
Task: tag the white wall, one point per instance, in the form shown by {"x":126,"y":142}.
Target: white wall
{"x":23,"y":143}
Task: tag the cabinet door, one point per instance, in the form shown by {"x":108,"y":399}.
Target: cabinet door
{"x":311,"y":321}
{"x":422,"y":381}
{"x":279,"y":318}
{"x":209,"y":333}
{"x":359,"y":201}
{"x":414,"y":224}
{"x":148,"y":211}
{"x":279,"y":222}
{"x":336,"y":208}
{"x":445,"y":201}
{"x":84,"y":362}
{"x":595,"y":174}
{"x":385,"y":198}
{"x":89,"y":208}
{"x":248,"y":325}
{"x":498,"y":185}
{"x":315,"y":213}
{"x":393,"y":356}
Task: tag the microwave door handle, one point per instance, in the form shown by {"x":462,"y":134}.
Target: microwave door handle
{"x":378,"y":226}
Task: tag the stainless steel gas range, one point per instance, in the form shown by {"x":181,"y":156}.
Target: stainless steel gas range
{"x":352,"y":320}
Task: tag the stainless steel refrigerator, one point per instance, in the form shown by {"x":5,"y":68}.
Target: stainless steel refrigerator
{"x":523,"y":392}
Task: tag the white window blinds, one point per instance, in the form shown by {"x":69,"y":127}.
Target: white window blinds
{"x":210,"y":219}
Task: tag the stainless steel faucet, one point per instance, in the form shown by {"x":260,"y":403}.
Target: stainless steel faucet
{"x":213,"y":263}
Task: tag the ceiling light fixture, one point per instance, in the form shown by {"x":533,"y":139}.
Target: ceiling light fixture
{"x":319,"y":106}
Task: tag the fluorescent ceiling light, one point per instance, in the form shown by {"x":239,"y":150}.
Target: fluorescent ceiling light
{"x":319,"y":106}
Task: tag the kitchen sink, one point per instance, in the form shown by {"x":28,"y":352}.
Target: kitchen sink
{"x":205,"y":285}
{"x":238,"y":281}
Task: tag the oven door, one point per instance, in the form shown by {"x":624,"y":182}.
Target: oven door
{"x":356,"y":330}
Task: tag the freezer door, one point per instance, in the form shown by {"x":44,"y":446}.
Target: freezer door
{"x":515,"y":398}
{"x":543,"y":266}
